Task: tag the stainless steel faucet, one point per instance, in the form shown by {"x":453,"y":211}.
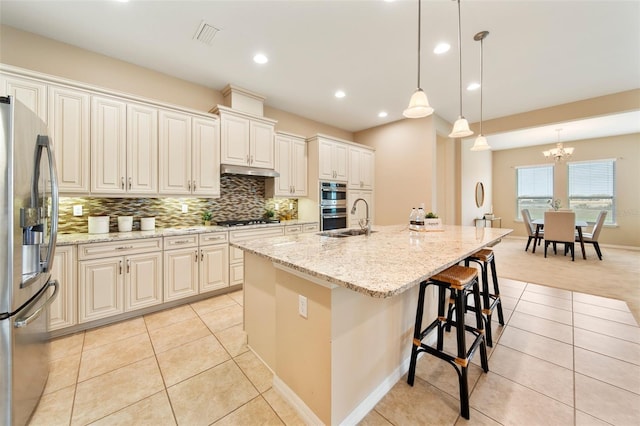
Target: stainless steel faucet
{"x":367,"y":227}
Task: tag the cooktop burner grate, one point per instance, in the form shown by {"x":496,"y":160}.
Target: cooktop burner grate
{"x":243,"y":222}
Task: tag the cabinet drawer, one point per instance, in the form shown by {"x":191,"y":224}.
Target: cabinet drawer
{"x":251,"y":234}
{"x":180,"y":241}
{"x":294,"y":229}
{"x":118,"y":248}
{"x":213,"y":238}
{"x":310,"y":227}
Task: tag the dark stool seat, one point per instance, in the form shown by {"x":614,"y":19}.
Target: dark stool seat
{"x":490,"y":301}
{"x":460,"y":281}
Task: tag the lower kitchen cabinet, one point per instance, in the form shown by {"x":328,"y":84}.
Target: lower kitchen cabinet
{"x":180,"y":273}
{"x":143,"y":281}
{"x":100,"y":285}
{"x":236,"y":256}
{"x":214,"y":261}
{"x":62,"y":311}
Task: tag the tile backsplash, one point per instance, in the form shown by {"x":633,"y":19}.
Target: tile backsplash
{"x":241,"y":197}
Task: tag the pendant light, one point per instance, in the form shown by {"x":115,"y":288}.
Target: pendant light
{"x":461,"y":126}
{"x":480,"y":143}
{"x":418,"y":104}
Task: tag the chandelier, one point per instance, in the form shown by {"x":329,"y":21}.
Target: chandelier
{"x":559,"y":153}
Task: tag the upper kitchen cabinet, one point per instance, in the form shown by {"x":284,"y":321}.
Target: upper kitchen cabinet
{"x":246,"y":140}
{"x":361,"y":166}
{"x":124,"y":147}
{"x":69,"y":112}
{"x":291,"y":163}
{"x":31,"y":92}
{"x":188,"y":156}
{"x":331,"y":156}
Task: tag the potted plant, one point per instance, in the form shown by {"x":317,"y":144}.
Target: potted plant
{"x":555,"y":204}
{"x":269,"y":214}
{"x":432,"y":222}
{"x":206,"y":218}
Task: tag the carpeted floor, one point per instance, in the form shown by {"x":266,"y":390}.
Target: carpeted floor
{"x":616,"y":276}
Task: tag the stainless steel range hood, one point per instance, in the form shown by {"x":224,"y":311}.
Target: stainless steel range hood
{"x":228,"y":169}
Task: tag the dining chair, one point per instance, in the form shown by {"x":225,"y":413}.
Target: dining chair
{"x":592,"y":237}
{"x":531,"y":230}
{"x":559,"y":227}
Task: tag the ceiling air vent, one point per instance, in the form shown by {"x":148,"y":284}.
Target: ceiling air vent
{"x":205,"y":33}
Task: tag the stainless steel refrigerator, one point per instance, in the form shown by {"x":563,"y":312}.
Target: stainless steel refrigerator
{"x":28,"y":227}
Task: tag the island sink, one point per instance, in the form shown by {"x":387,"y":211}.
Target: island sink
{"x":343,"y":233}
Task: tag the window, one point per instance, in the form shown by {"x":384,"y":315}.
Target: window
{"x":592,"y":189}
{"x":535,"y":189}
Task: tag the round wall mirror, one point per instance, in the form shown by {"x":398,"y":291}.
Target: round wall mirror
{"x":479,"y":194}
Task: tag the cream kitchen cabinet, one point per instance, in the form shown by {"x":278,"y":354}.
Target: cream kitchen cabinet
{"x":301,"y":229}
{"x":188,"y":155}
{"x":332,"y":160}
{"x":214,"y":261}
{"x":361,"y":209}
{"x":124,"y":147}
{"x":236,"y":256}
{"x":291,"y":162}
{"x":31,"y":92}
{"x":62,"y":312}
{"x":69,"y":126}
{"x":246,"y":140}
{"x":361,"y":166}
{"x":117,"y":277}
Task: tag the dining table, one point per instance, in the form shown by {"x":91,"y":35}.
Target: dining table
{"x":579,"y":225}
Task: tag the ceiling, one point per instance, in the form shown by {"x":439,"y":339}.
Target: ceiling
{"x":538,"y":54}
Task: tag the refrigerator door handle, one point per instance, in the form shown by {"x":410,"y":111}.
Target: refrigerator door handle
{"x":43,"y":142}
{"x":24,"y":321}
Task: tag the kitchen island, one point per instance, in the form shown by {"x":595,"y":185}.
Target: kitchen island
{"x":333,"y":317}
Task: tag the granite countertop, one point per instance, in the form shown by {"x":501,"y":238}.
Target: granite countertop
{"x":388,"y":262}
{"x":85,"y":238}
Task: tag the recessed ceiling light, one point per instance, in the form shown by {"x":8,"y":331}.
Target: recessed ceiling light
{"x":473,"y":86}
{"x":122,"y":1}
{"x":340,"y":94}
{"x":382,"y":114}
{"x":441,"y":48}
{"x":260,"y":59}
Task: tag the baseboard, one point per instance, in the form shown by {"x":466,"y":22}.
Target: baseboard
{"x":307,"y":415}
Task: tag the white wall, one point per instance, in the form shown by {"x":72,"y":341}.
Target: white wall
{"x":476,"y":166}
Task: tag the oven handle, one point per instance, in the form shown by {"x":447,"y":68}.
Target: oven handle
{"x":334,"y":216}
{"x":340,"y":190}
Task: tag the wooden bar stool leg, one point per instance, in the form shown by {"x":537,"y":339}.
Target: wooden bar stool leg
{"x":462,"y":353}
{"x":484,"y":361}
{"x":442,"y":293}
{"x":416,"y":334}
{"x":496,"y":290}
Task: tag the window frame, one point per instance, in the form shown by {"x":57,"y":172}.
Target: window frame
{"x":551,"y":168}
{"x":611,"y":218}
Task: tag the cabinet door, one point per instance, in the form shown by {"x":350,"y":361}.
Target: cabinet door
{"x":325,"y":160}
{"x":206,"y":157}
{"x":69,"y":126}
{"x":234,"y":140}
{"x":142,"y":149}
{"x":180,"y":273}
{"x":100,"y":285}
{"x":340,"y":162}
{"x":32,"y":93}
{"x":354,"y":168}
{"x":283,"y":184}
{"x":175,"y":153}
{"x":261,"y":150}
{"x":299,"y":168}
{"x":108,"y":145}
{"x":214,"y":270}
{"x":62,"y":312}
{"x":143,"y":281}
{"x":367,"y":160}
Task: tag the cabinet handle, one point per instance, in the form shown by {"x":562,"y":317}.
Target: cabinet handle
{"x":129,"y":183}
{"x":181,"y":242}
{"x":251,"y":160}
{"x":194,"y":185}
{"x":201,"y":255}
{"x":248,"y":159}
{"x":128,"y":265}
{"x":120,"y":267}
{"x":122,"y":182}
{"x":196,"y":256}
{"x":189,"y":185}
{"x":124,"y":248}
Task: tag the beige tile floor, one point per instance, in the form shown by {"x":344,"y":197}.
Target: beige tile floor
{"x":564,"y":358}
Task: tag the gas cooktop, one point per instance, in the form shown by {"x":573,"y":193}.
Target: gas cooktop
{"x":243,"y":222}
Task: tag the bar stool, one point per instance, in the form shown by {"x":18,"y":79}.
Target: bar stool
{"x":490,"y":301}
{"x":460,"y":281}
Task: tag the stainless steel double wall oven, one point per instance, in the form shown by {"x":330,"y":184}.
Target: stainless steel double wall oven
{"x":333,"y":205}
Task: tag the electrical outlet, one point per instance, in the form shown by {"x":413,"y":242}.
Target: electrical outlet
{"x":302,"y":306}
{"x":77,"y":210}
{"x":185,"y":208}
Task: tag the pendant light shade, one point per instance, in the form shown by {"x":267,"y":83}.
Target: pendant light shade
{"x":480,"y":143}
{"x":418,"y":104}
{"x":461,"y":126}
